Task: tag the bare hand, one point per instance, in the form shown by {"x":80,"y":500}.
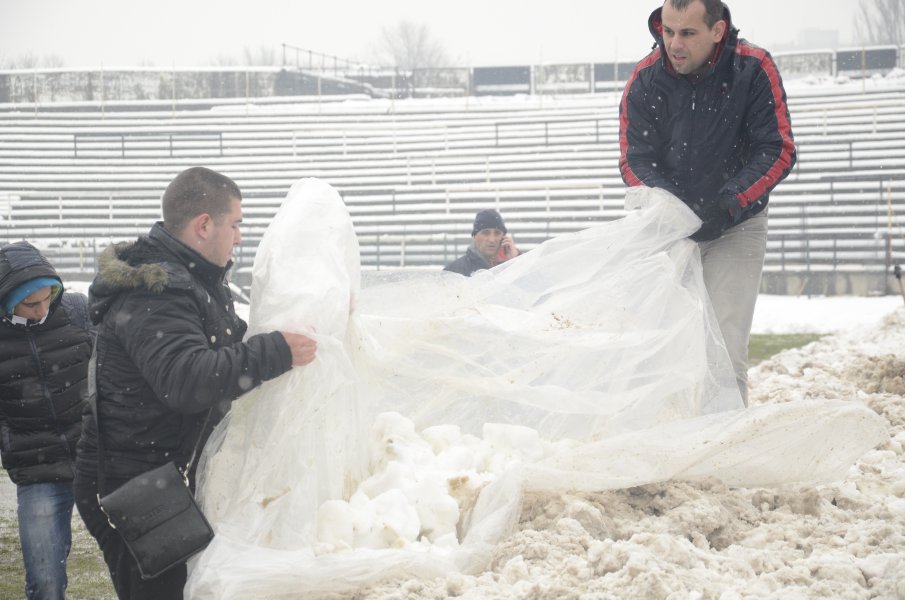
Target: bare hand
{"x":509,"y":247}
{"x":303,"y":348}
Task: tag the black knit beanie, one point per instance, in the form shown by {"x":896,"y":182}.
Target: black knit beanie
{"x":488,"y":219}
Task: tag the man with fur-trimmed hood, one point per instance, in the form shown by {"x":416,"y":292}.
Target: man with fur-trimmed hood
{"x":170,"y":356}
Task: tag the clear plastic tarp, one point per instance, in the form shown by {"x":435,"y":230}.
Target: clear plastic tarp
{"x":592,"y":362}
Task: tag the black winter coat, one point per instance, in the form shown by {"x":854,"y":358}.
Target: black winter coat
{"x":723,"y":141}
{"x":43,"y":376}
{"x":169,"y":348}
{"x":468,"y":263}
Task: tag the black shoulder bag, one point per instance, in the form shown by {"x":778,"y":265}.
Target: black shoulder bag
{"x":156,"y":513}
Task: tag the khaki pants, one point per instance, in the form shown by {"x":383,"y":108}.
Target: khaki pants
{"x":733,"y":265}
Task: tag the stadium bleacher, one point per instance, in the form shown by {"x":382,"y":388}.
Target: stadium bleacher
{"x":414,"y":172}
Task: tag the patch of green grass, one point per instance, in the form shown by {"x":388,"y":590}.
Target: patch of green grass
{"x":88,"y":575}
{"x":763,"y":346}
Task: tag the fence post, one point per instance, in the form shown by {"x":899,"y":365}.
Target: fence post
{"x":174,"y":88}
{"x":782,"y":254}
{"x":378,"y":251}
{"x":835,"y":257}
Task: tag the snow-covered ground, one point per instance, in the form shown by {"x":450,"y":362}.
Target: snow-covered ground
{"x":820,"y":314}
{"x":773,"y":314}
{"x":706,"y":540}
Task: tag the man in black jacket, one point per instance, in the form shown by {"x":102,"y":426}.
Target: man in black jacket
{"x":492,"y":245}
{"x":45,"y":345}
{"x":704,"y":116}
{"x":169,"y":353}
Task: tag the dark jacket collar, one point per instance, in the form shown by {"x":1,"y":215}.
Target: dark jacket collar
{"x":152,"y":263}
{"x":201,"y":268}
{"x":476,"y":258}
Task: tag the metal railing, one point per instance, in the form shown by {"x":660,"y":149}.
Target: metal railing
{"x":93,"y":141}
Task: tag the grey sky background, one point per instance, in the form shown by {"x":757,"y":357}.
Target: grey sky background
{"x":111,"y":33}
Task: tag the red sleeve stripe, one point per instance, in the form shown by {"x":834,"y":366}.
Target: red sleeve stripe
{"x":627,"y":174}
{"x":784,"y":160}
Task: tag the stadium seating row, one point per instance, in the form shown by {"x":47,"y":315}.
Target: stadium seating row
{"x":414,"y":172}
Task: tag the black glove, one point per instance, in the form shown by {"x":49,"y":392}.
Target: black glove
{"x":710,"y":230}
{"x":728,"y":203}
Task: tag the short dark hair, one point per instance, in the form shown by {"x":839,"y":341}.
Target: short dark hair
{"x":196,"y":191}
{"x":713,"y":9}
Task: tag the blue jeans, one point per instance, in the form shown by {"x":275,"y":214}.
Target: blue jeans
{"x":45,"y":516}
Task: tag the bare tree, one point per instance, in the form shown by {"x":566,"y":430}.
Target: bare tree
{"x":881,"y":22}
{"x":260,"y":56}
{"x":32,"y":61}
{"x":265,"y":56}
{"x":409,"y":46}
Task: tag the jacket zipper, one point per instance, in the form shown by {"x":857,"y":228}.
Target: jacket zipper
{"x":45,"y":392}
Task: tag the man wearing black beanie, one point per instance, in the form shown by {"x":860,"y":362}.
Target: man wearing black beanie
{"x":491,"y":246}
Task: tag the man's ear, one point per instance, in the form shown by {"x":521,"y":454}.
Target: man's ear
{"x":201,"y":226}
{"x":719,"y":30}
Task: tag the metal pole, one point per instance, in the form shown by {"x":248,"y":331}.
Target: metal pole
{"x":174,"y":88}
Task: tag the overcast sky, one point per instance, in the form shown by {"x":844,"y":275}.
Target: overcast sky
{"x":93,"y":33}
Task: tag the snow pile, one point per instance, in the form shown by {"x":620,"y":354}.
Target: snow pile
{"x":421,"y":485}
{"x":704,"y":539}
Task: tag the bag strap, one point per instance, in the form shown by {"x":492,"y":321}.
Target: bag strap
{"x":93,"y":400}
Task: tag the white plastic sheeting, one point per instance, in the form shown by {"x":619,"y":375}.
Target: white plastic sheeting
{"x":602,"y":341}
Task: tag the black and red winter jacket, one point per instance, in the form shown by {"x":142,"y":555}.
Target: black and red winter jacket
{"x":720,"y":144}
